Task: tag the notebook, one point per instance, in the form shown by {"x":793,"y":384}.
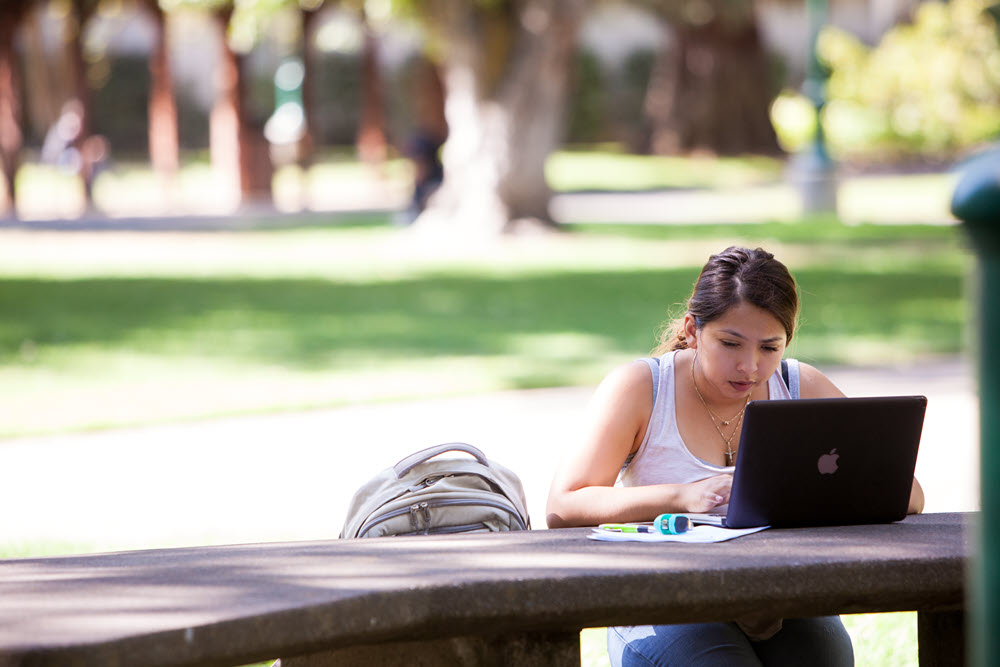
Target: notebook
{"x":820,"y":462}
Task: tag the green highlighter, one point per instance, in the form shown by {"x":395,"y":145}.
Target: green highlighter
{"x":665,"y":524}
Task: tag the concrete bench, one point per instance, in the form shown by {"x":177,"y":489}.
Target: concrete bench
{"x":493,"y":599}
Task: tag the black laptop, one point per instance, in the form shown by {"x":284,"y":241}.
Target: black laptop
{"x":821,"y":462}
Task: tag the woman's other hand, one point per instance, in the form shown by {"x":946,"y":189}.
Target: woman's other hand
{"x":707,"y":494}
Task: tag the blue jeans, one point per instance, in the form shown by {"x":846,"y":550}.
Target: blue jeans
{"x":817,"y":642}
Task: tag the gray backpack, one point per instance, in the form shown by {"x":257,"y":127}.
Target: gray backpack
{"x":418,"y":496}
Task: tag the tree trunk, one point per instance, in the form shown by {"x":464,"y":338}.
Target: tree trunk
{"x":164,"y":150}
{"x":48,"y":88}
{"x":506,"y":76}
{"x":11,"y":136}
{"x":224,"y":125}
{"x":79,"y":104}
{"x":307,"y":144}
{"x":713,"y":89}
{"x":256,"y":170}
{"x":372,"y":144}
{"x":238,"y":150}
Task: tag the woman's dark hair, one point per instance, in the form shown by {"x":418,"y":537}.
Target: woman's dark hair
{"x":734,"y":276}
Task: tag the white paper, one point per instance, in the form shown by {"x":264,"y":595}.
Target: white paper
{"x":698,"y":535}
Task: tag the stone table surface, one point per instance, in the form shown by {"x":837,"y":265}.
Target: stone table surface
{"x":233,"y":604}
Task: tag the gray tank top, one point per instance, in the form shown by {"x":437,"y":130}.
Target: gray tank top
{"x":663,"y":458}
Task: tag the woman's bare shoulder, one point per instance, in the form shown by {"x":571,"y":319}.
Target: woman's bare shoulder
{"x":814,"y":384}
{"x":630,"y":378}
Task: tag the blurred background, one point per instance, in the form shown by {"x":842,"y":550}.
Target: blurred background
{"x":167,"y":107}
{"x":254,"y":251}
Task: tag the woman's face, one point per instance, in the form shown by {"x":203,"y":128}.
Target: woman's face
{"x":739,"y":350}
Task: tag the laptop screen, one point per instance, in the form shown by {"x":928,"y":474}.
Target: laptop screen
{"x":832,"y":461}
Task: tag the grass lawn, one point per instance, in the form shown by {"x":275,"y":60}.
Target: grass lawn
{"x":110,"y":328}
{"x":570,"y":170}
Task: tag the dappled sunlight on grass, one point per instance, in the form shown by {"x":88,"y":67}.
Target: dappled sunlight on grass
{"x":48,"y":192}
{"x":112,"y":328}
{"x":133,"y":189}
{"x":594,"y":648}
{"x":601,"y":170}
{"x":883,"y":640}
{"x":897,"y":199}
{"x":741,"y":189}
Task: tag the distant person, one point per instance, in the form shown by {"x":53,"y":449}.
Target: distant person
{"x":425,"y":151}
{"x":664,"y":435}
{"x":429,"y":135}
{"x":60,"y":145}
{"x":67,"y":147}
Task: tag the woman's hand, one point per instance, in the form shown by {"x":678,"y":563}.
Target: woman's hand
{"x":707,"y":494}
{"x":916,"y":505}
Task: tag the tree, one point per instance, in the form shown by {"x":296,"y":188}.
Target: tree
{"x":372,"y":142}
{"x":309,"y":13}
{"x":163,"y":133}
{"x":237,"y":141}
{"x":237,"y":146}
{"x":12,"y":13}
{"x":930,"y":88}
{"x":88,"y":148}
{"x":506,"y":66}
{"x":712,"y":87}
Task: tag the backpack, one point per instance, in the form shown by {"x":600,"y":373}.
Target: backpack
{"x":418,"y":496}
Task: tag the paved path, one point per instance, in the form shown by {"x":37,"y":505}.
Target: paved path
{"x":290,"y":476}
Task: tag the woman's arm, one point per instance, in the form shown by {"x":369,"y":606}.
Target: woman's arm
{"x":813,"y":384}
{"x":583,"y":491}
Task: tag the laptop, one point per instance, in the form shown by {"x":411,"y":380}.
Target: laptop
{"x":822,"y":462}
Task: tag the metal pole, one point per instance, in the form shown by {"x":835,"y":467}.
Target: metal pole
{"x":976,"y":202}
{"x":816,"y":75}
{"x":814,"y":169}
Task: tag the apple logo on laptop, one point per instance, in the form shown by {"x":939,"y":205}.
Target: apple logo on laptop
{"x":827,"y":463}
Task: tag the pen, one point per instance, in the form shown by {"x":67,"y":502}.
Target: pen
{"x":627,"y":528}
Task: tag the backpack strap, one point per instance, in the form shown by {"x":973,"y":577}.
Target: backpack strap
{"x":417,"y":458}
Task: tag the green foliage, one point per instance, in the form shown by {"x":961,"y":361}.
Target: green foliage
{"x":207,"y":5}
{"x":586,"y":112}
{"x":930,"y":87}
{"x":629,"y":110}
{"x":338,"y":94}
{"x":250,"y":19}
{"x":607,"y":103}
{"x":121,"y":101}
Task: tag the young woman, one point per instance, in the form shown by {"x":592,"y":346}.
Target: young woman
{"x":663,"y":436}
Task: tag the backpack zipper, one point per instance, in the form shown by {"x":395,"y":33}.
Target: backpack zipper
{"x":425,"y":509}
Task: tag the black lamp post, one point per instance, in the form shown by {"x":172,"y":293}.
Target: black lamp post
{"x":976,"y":202}
{"x":813,"y":170}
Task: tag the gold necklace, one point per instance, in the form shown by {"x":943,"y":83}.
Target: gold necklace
{"x":738,"y":418}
